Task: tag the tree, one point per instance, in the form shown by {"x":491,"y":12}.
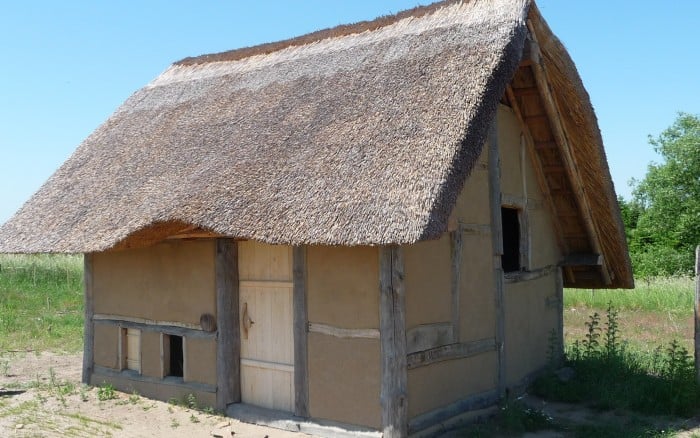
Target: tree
{"x":667,"y":203}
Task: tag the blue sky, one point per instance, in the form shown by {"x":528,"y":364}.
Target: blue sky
{"x":68,"y":65}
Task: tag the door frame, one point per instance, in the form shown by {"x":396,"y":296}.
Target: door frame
{"x":228,"y":358}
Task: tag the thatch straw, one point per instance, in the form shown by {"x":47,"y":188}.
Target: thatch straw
{"x":358,"y":135}
{"x":359,"y":138}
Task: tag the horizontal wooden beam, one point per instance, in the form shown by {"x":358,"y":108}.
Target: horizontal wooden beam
{"x":450,"y":352}
{"x":155,"y":326}
{"x":518,"y":276}
{"x":582,"y":260}
{"x":429,"y":336}
{"x":432,"y":418}
{"x":102,"y":372}
{"x":346,"y":333}
{"x":475,"y":229}
{"x":121,"y":318}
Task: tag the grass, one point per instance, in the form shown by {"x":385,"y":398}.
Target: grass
{"x":657,"y":312}
{"x":41,"y":302}
{"x":658,"y":295}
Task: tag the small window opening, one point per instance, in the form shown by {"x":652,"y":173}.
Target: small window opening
{"x":510,"y":260}
{"x":173,"y":355}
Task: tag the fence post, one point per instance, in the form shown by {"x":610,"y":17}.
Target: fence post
{"x":697,"y":314}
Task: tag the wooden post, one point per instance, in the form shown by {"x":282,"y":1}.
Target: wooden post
{"x":697,"y":314}
{"x":392,"y":328}
{"x":560,"y":313}
{"x":228,"y":340}
{"x":301,"y":321}
{"x":456,"y":256}
{"x":89,"y":326}
{"x":497,"y":242}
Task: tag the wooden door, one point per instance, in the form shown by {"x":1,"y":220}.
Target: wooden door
{"x":267,"y":337}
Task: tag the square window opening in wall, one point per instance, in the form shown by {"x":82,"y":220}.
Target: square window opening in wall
{"x":130,"y":351}
{"x":172,"y":356}
{"x":511,"y":258}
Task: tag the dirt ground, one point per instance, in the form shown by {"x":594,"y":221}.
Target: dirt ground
{"x":40,"y":395}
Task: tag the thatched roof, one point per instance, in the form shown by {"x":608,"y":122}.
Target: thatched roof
{"x":361,"y":134}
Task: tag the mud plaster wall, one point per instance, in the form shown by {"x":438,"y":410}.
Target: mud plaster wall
{"x":201,"y":360}
{"x":445,"y":382}
{"x":528,"y":325}
{"x":427,"y":280}
{"x":344,"y":374}
{"x":150,"y":354}
{"x":170,"y":281}
{"x":167,"y":282}
{"x":106,"y":346}
{"x":428,"y":299}
{"x":529,"y":319}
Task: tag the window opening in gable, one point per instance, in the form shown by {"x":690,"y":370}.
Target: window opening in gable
{"x":510,"y":260}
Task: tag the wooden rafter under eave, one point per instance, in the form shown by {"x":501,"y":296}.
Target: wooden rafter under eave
{"x":552,"y":110}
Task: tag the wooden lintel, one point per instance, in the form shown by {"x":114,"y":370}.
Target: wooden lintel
{"x":569,"y":273}
{"x":554,"y":115}
{"x":145,"y":321}
{"x":518,"y":276}
{"x":583,"y":260}
{"x":154,"y":327}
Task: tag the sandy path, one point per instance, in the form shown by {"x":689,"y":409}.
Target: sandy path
{"x":49,"y":401}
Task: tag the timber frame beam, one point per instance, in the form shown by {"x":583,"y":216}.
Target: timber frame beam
{"x":301,"y":324}
{"x":228,"y":341}
{"x":497,"y":244}
{"x":392,"y":329}
{"x":571,"y":168}
{"x":89,"y":328}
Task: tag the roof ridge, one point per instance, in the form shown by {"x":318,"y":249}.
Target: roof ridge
{"x":319,"y":35}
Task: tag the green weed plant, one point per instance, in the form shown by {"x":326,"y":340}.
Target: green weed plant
{"x":609,"y":375}
{"x":106,"y":392}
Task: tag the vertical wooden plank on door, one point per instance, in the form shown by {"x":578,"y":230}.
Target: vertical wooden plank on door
{"x":228,"y":371}
{"x":301,"y":320}
{"x":392,"y":328}
{"x":266,"y":306}
{"x":89,"y":327}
